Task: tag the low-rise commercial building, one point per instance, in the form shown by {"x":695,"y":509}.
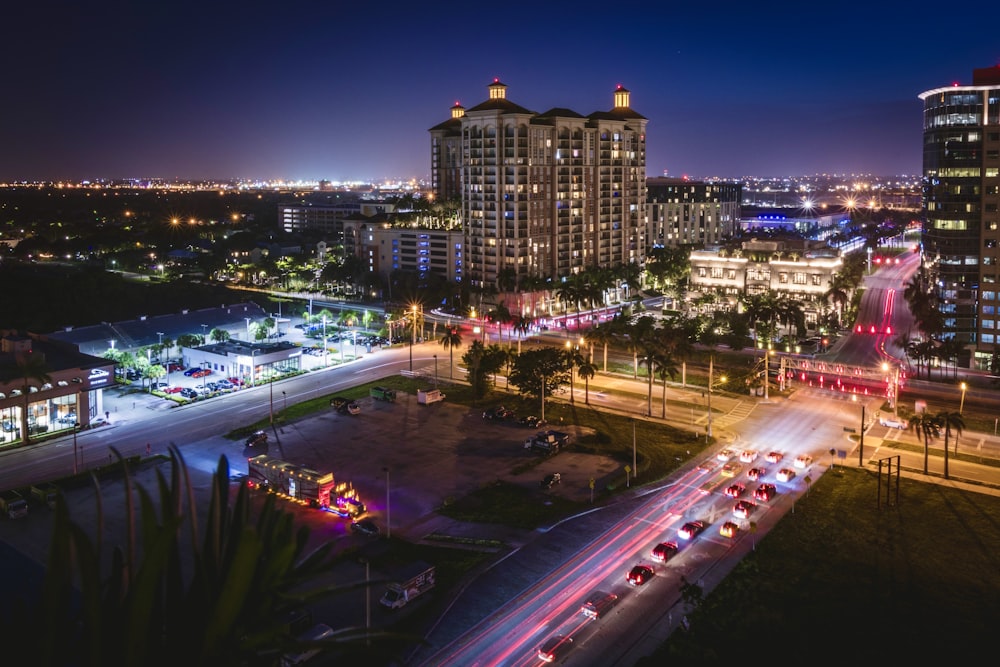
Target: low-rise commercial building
{"x":48,"y":386}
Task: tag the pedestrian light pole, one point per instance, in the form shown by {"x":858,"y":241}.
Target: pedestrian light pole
{"x":961,"y":404}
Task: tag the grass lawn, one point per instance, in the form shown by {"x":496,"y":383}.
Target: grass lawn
{"x":841,"y":580}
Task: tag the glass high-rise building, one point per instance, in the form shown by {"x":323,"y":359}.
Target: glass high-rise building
{"x":961,"y":196}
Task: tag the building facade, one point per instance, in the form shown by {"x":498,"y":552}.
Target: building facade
{"x":543,"y":195}
{"x":683,"y":212}
{"x":63,"y":393}
{"x":802,"y":271}
{"x":961,"y":169}
{"x":384,"y":249}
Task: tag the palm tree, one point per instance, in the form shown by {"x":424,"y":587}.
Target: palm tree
{"x":28,"y":367}
{"x":926,"y":427}
{"x":586,"y":370}
{"x":138,"y":606}
{"x":450,"y":340}
{"x":950,"y":420}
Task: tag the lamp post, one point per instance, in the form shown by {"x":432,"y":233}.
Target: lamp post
{"x":388,"y":506}
{"x":569,"y":355}
{"x":861,"y":438}
{"x":204,"y":383}
{"x":271,"y":385}
{"x":413,"y":330}
{"x":711,"y":385}
{"x":325,"y":343}
{"x":961,"y":404}
{"x":248,"y":327}
{"x":284,"y":396}
{"x":76,"y":429}
{"x":160,"y":353}
{"x":435,"y":371}
{"x":767,"y":368}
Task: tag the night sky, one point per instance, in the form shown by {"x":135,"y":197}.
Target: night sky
{"x":338,"y":91}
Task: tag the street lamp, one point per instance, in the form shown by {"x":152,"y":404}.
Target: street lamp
{"x":76,"y":429}
{"x":961,"y":405}
{"x":413,"y":330}
{"x":248,"y":327}
{"x":435,"y":371}
{"x":711,"y":385}
{"x":325,"y":344}
{"x":569,"y":355}
{"x":284,"y":396}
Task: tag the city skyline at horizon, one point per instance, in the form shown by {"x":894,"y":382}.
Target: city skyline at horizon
{"x":209,"y":94}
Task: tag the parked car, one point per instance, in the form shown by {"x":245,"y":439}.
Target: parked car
{"x":189,"y":393}
{"x":551,"y":480}
{"x":173,"y":366}
{"x":191,"y":371}
{"x":257,"y":440}
{"x":365,"y":527}
{"x":532,"y":421}
{"x":498,"y":412}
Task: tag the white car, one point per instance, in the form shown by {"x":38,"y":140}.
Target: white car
{"x":725,"y":455}
{"x":785,"y":475}
{"x":803,"y":461}
{"x":892,"y":423}
{"x":748,"y":455}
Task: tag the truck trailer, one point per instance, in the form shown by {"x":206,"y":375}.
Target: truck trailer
{"x":409,"y":583}
{"x":304,"y":485}
{"x":295,"y":482}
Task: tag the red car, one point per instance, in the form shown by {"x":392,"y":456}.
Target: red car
{"x":735,"y":490}
{"x":664,"y":551}
{"x":765,"y":492}
{"x":236,"y":382}
{"x":201,"y":372}
{"x":172,"y":390}
{"x":171,"y":367}
{"x":639,"y":575}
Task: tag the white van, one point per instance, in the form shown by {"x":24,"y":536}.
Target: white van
{"x":315,"y":633}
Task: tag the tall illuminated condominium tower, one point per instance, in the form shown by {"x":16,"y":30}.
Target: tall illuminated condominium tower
{"x":543,"y":195}
{"x":961,"y":199}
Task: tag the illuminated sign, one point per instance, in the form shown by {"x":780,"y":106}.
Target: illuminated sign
{"x":98,"y":376}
